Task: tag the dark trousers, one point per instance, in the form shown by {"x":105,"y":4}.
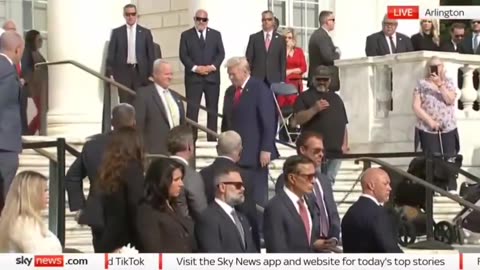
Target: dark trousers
{"x":131,"y":78}
{"x":96,"y":236}
{"x":23,"y":110}
{"x":194,"y":93}
{"x":8,"y":169}
{"x":34,"y":125}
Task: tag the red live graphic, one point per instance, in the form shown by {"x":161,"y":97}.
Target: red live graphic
{"x":48,"y":260}
{"x":403,"y":12}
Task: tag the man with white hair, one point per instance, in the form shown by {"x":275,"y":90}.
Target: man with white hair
{"x":249,"y":109}
{"x":159,"y":109}
{"x":388,"y":41}
{"x":221,"y":228}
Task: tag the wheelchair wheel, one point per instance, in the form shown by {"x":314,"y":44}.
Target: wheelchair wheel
{"x":445,"y":232}
{"x":407,"y":233}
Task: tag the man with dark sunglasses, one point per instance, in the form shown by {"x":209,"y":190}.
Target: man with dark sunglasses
{"x":457,"y":33}
{"x":131,"y":54}
{"x":221,"y":228}
{"x":266,"y":52}
{"x":470,"y":45}
{"x":202,"y":53}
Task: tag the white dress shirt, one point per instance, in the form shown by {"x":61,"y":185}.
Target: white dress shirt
{"x":294,"y":198}
{"x":227,"y":157}
{"x":227,"y":208}
{"x":164,"y":94}
{"x":371,"y":198}
{"x":131,"y":52}
{"x":8,"y":58}
{"x":181,"y":159}
{"x":394,"y":37}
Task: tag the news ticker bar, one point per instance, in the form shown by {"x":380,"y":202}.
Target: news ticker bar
{"x":470,"y":261}
{"x":441,"y":12}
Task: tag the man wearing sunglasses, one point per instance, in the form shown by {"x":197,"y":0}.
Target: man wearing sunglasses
{"x":457,"y":33}
{"x":221,"y":228}
{"x":130,"y":54}
{"x":470,"y":45}
{"x":202,"y":53}
{"x":266,"y":52}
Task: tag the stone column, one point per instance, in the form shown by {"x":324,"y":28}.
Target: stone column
{"x":78,"y":30}
{"x":235,"y":27}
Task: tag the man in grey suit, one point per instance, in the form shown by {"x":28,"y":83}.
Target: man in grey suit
{"x":193,"y":199}
{"x":322,"y":51}
{"x":158,"y":109}
{"x":11,"y":51}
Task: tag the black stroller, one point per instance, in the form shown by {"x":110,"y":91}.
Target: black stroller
{"x":407,"y":202}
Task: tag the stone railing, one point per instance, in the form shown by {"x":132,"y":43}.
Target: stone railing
{"x":378,"y":95}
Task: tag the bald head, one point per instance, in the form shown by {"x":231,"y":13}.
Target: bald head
{"x":11,"y":44}
{"x":376,"y":182}
{"x":9,"y":26}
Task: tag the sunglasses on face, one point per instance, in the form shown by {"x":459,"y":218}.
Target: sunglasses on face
{"x":267,"y":19}
{"x":306,"y":176}
{"x":459,"y":36}
{"x":475,"y":22}
{"x":237,"y":185}
{"x":132,"y":14}
{"x":322,"y":79}
{"x":200,"y":19}
{"x":333,"y":20}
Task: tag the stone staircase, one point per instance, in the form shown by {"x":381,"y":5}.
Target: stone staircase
{"x":79,"y":237}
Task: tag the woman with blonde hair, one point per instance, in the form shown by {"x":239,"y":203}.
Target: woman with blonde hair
{"x":428,"y":39}
{"x":22,"y":229}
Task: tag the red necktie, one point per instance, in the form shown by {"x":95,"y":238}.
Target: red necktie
{"x":304,"y":215}
{"x":19,"y":70}
{"x":238,"y":94}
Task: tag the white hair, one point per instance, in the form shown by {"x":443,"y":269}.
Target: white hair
{"x":238,"y":61}
{"x":228,"y":142}
{"x":157,"y":63}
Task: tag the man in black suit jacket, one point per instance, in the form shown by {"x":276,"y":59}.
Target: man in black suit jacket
{"x":87,"y":165}
{"x":130,"y":54}
{"x":457,"y":33}
{"x":290,"y":218}
{"x":367,"y":227}
{"x":249,"y":109}
{"x":267,"y":53}
{"x":202,"y":53}
{"x":159,"y":109}
{"x":221,"y":228}
{"x":157,"y":51}
{"x":229,"y":149}
{"x":310,"y":145}
{"x":11,"y":48}
{"x":471,"y":45}
{"x":322,"y":51}
{"x":388,"y":41}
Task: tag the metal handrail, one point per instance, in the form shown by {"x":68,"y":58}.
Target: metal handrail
{"x":422,"y":182}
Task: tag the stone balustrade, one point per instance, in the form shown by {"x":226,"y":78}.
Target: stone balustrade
{"x":378,"y":94}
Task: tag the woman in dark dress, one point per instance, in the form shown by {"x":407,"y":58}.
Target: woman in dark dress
{"x":160,"y":227}
{"x":120,"y":185}
{"x":428,"y":39}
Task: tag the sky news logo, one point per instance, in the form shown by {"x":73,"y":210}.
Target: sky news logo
{"x":41,"y":261}
{"x":441,"y":12}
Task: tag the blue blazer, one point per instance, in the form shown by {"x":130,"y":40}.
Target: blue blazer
{"x":254,"y":118}
{"x":328,"y":199}
{"x":10,"y":119}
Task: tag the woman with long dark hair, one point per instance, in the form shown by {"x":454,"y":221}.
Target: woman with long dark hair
{"x":120,"y":185}
{"x":36,"y":80}
{"x":160,"y":227}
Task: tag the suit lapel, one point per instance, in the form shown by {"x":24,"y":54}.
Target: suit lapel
{"x":124,"y":38}
{"x":399,"y":44}
{"x":384,"y":44}
{"x":291,"y":208}
{"x":180,"y":220}
{"x":228,"y":220}
{"x":158,"y":101}
{"x":138,"y":39}
{"x":178,"y":101}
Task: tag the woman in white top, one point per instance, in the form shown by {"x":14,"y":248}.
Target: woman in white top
{"x":22,"y":229}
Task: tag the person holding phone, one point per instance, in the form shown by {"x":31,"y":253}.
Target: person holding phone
{"x":434,"y":102}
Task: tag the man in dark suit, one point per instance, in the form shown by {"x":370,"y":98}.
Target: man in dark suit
{"x":130,"y":54}
{"x":290,"y":219}
{"x":87,"y":164}
{"x":157,"y":51}
{"x":457,"y":33}
{"x":310,"y":144}
{"x":249,"y":109}
{"x":388,"y":41}
{"x":181,"y":146}
{"x":367,"y":227}
{"x":229,"y":149}
{"x":267,"y":53}
{"x":322,"y":51}
{"x":11,"y":50}
{"x":470,"y":45}
{"x":158,"y":109}
{"x":221,"y":228}
{"x":202,"y":53}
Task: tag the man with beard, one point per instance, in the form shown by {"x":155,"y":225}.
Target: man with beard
{"x":320,"y":110}
{"x":220,"y":228}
